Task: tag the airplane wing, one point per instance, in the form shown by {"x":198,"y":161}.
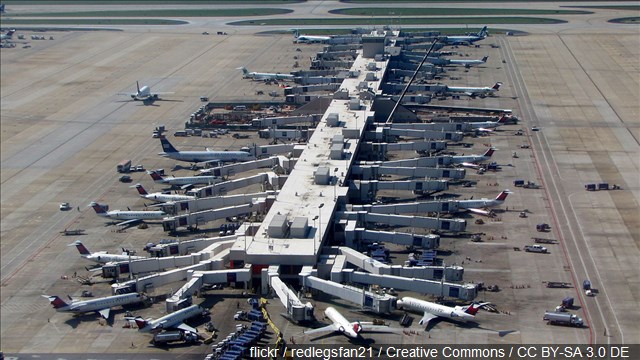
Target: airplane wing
{"x":104,"y":312}
{"x":470,"y":165}
{"x":484,"y":129}
{"x":185,"y":327}
{"x":328,"y":328}
{"x":426,"y":318}
{"x":128,"y":222}
{"x":481,"y":212}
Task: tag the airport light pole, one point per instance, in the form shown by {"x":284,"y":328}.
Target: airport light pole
{"x":314,"y":234}
{"x":319,"y":225}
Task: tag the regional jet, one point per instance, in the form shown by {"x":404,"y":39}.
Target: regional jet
{"x":469,"y":160}
{"x":8,"y":35}
{"x":478,"y":206}
{"x":474,"y":91}
{"x":465,"y":39}
{"x":432,"y":310}
{"x":202,"y":156}
{"x":468,"y":63}
{"x":488,"y":126}
{"x":144,"y":93}
{"x":307,"y":39}
{"x":161,"y":197}
{"x":102,"y":305}
{"x":184,"y":180}
{"x":246,"y":74}
{"x":128,"y":215}
{"x":174,"y":320}
{"x":102,"y":257}
{"x":349,"y":329}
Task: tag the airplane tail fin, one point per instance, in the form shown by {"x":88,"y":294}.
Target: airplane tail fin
{"x":496,"y":86}
{"x":296,"y":33}
{"x":503,"y":119}
{"x":99,"y":209}
{"x":142,"y":323}
{"x":81,"y":248}
{"x":473,"y":308}
{"x":489,"y":152}
{"x":155,"y":176}
{"x":138,"y":86}
{"x":483,"y":32}
{"x":141,"y":189}
{"x":484,"y":59}
{"x":167,"y":147}
{"x":245,"y":72}
{"x":503,"y":195}
{"x":56,"y":302}
{"x":10,"y":32}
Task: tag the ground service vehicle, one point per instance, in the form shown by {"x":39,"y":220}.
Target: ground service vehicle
{"x":563,"y":319}
{"x":173,"y":336}
{"x":124,"y":166}
{"x":535,"y":248}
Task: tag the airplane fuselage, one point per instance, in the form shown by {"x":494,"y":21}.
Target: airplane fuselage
{"x":103,"y":258}
{"x":423,"y":306}
{"x":172,"y":319}
{"x":133,"y":215}
{"x":343,"y":325}
{"x":190,"y":180}
{"x":160,"y":197}
{"x":101,"y":303}
{"x":202,"y":156}
{"x":482,"y":203}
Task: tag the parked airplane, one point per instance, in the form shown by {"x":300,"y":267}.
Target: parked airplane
{"x":432,"y":310}
{"x":474,"y":91}
{"x":8,"y":35}
{"x":102,"y":305}
{"x":468,"y":63}
{"x":349,"y":329}
{"x":161,"y":197}
{"x":102,"y":257}
{"x":246,"y":74}
{"x":478,"y":206}
{"x":174,"y":320}
{"x":467,"y":160}
{"x":144,"y":93}
{"x":465,"y":39}
{"x":128,"y":215}
{"x":488,"y":126}
{"x":202,"y":156}
{"x":309,"y":38}
{"x":185,"y":180}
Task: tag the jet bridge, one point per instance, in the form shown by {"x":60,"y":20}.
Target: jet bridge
{"x":379,"y":150}
{"x":451,"y":273}
{"x":463,"y":127}
{"x":355,"y":236}
{"x":373,"y":172}
{"x":285,"y":120}
{"x":233,"y":169}
{"x":296,"y":310}
{"x":226,"y":186}
{"x":427,"y":161}
{"x":409,"y":208}
{"x":390,"y":134}
{"x":366,"y":190}
{"x":200,"y":204}
{"x":453,"y":225}
{"x":193,"y":220}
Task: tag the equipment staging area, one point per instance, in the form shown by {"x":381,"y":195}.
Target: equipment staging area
{"x":64,"y":128}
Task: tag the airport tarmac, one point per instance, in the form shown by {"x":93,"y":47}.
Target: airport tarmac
{"x":64,"y":129}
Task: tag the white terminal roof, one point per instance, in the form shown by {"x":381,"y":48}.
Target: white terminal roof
{"x":300,"y":196}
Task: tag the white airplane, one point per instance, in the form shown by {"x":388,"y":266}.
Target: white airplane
{"x":174,"y":320}
{"x":202,"y":156}
{"x":468,"y":63}
{"x":477,"y":206}
{"x":307,"y":39}
{"x":432,"y":310}
{"x":185,"y":180}
{"x":474,"y":91}
{"x":349,"y":329}
{"x":128,"y":215}
{"x":465,"y":39}
{"x":102,"y":305}
{"x":470,"y":160}
{"x":144,"y":93}
{"x":161,"y":197}
{"x":102,"y":257}
{"x":488,"y":126}
{"x":246,"y":74}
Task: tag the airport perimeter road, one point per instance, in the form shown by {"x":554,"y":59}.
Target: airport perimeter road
{"x":579,"y":91}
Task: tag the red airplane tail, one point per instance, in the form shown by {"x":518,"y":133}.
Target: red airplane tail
{"x":489,"y":152}
{"x":82,"y":249}
{"x":496,"y":86}
{"x":155,"y":176}
{"x":141,"y":189}
{"x":473,"y":309}
{"x":100,"y":209}
{"x":56,"y":302}
{"x":502,"y":195}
